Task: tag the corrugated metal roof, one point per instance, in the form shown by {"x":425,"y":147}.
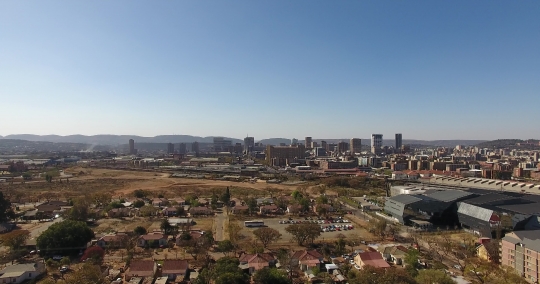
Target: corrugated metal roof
{"x":449,"y":195}
{"x":405,"y":198}
{"x":475,"y":211}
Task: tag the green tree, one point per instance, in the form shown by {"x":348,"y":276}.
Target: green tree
{"x":296,"y":195}
{"x":88,"y":274}
{"x":225,"y":247}
{"x":139,"y":193}
{"x":80,"y":211}
{"x":139,"y":230}
{"x":147,"y":210}
{"x":180,"y":211}
{"x":67,"y":236}
{"x":411,"y":262}
{"x":226,"y":271}
{"x":166,"y":226}
{"x":270,"y":276}
{"x":252,"y":205}
{"x":6,"y":212}
{"x":267,"y":236}
{"x":15,"y":239}
{"x":372,"y":275}
{"x":138,"y":204}
{"x":430,"y":276}
{"x":304,"y":232}
{"x":226,"y":197}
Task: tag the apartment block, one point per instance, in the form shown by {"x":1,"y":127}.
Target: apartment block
{"x":284,"y":155}
{"x":521,"y":251}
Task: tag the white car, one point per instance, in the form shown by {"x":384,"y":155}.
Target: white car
{"x":351,"y":261}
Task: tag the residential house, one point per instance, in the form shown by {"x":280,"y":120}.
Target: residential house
{"x":240,"y":209}
{"x":203,"y":201}
{"x":294,"y":209}
{"x":265,"y":200}
{"x":258,"y":261}
{"x":200,"y":210}
{"x":152,"y":239}
{"x":269,"y":209}
{"x":481,"y":250}
{"x":51,"y":208}
{"x":117,"y":240}
{"x":175,"y":269}
{"x":19,"y":273}
{"x":120,"y":212}
{"x":308,"y":259}
{"x":394,"y":254}
{"x":160,"y":202}
{"x":141,"y":268}
{"x":195,"y":235}
{"x":179,"y":201}
{"x":169,"y":211}
{"x":327,"y":207}
{"x":373,"y":258}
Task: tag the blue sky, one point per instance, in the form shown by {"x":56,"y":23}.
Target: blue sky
{"x":327,"y":69}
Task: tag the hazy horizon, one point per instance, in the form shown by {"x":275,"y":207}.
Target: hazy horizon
{"x":430,"y":70}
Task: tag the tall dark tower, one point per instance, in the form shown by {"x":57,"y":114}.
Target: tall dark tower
{"x":399,"y":141}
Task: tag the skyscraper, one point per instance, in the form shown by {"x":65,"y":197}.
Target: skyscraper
{"x":131,"y":147}
{"x":376,"y":142}
{"x":249,"y":143}
{"x":307,"y":142}
{"x":182,"y":148}
{"x":342,"y":147}
{"x":170,"y":148}
{"x":355,"y":145}
{"x":195,"y":147}
{"x":398,"y":141}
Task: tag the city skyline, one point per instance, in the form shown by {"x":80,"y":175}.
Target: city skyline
{"x":433,"y":71}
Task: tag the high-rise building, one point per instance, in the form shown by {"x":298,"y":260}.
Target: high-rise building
{"x":284,"y":155}
{"x":132,"y":147}
{"x":323,"y":145}
{"x":342,"y":147}
{"x":249,"y":143}
{"x":376,"y":143}
{"x":294,"y":142}
{"x":399,"y":141}
{"x":170,"y":148}
{"x":195,"y":147}
{"x":182,"y":148}
{"x":355,"y":145}
{"x":220,"y":144}
{"x":307,"y":142}
{"x":314,"y":145}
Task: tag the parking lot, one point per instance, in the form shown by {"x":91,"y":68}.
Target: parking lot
{"x":355,"y":232}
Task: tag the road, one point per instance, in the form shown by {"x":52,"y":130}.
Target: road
{"x":41,"y":227}
{"x":219,"y":223}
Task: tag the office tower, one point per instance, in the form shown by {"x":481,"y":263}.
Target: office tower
{"x":284,"y":155}
{"x":195,"y":147}
{"x":376,"y":143}
{"x":170,"y":148}
{"x":131,"y":147}
{"x":294,"y":142}
{"x":323,"y":145}
{"x":249,"y":143}
{"x":307,"y":142}
{"x":314,"y":145}
{"x":182,"y":148}
{"x":343,"y":147}
{"x":220,"y":144}
{"x":399,"y":141}
{"x":355,"y":145}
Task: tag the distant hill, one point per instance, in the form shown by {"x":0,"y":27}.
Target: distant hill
{"x":504,"y":143}
{"x":115,"y":139}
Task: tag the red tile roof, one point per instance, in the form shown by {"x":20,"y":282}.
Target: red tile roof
{"x":175,"y":266}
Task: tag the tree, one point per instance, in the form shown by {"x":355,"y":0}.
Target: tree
{"x":148,"y":210}
{"x":139,"y":193}
{"x":6,"y":212}
{"x":95,"y":254}
{"x":411,"y":262}
{"x":138,"y":203}
{"x":340,"y":244}
{"x":225,"y":247}
{"x":80,"y":210}
{"x":430,"y":276}
{"x":67,"y":236}
{"x":166,"y":226}
{"x":270,"y":276}
{"x":252,"y":205}
{"x":139,"y":230}
{"x":267,"y":236}
{"x":226,"y":197}
{"x":296,"y":195}
{"x":180,"y":211}
{"x":15,"y":239}
{"x":226,"y":271}
{"x":378,"y":228}
{"x":304,"y":232}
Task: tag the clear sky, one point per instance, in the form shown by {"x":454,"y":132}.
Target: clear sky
{"x":327,"y":69}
